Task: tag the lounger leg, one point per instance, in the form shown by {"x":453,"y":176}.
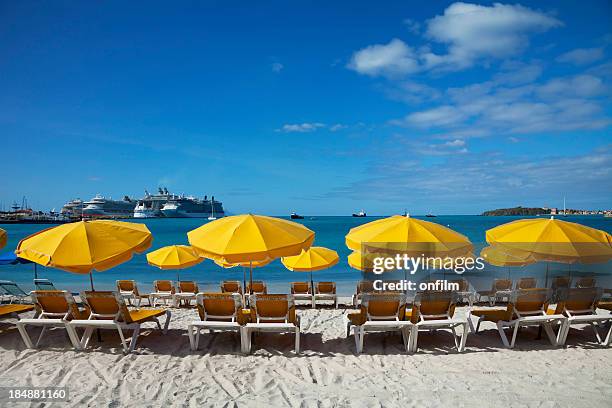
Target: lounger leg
{"x":134,"y":338}
{"x":167,"y":323}
{"x":478,"y":324}
{"x":469,"y":320}
{"x":86,"y":336}
{"x":463,"y":338}
{"x":597,"y":336}
{"x":42,"y":332}
{"x":72,"y":334}
{"x":297,"y":340}
{"x":608,"y":339}
{"x":455,"y":337}
{"x":550,"y":333}
{"x":356,"y":335}
{"x":123,"y":342}
{"x":415,"y":339}
{"x":514,"y":333}
{"x":24,"y":335}
{"x":502,"y":334}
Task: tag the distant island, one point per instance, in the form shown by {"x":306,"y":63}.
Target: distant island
{"x":518,"y":211}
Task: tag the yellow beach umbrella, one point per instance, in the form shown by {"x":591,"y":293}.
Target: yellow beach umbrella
{"x":553,"y":240}
{"x":357,"y":260}
{"x":310,"y":260}
{"x":3,"y":238}
{"x":84,"y":246}
{"x":250,"y":238}
{"x":408,"y":235}
{"x":174,"y":257}
{"x":500,"y":256}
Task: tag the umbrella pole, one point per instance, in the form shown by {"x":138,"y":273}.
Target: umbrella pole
{"x":91,"y":281}
{"x":35,"y":271}
{"x":311,"y":283}
{"x":251,"y":277}
{"x":244,"y":279}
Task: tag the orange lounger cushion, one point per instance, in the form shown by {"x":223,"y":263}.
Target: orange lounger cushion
{"x":493,"y":315}
{"x":139,"y":316}
{"x":10,"y":309}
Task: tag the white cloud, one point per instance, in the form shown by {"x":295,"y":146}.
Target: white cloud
{"x":413,"y":26}
{"x":472,"y":32}
{"x":581,"y":56}
{"x":301,"y":127}
{"x":392,"y":59}
{"x":337,"y":127}
{"x":441,"y":116}
{"x":584,"y":86}
{"x":277,"y":67}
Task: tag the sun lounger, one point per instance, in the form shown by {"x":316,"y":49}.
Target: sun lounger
{"x":362,"y":287}
{"x":44,"y":284}
{"x":13,"y":293}
{"x":258,"y":288}
{"x":464,"y":294}
{"x":164,"y":290}
{"x":586,"y":282}
{"x":271,"y":313}
{"x":326,"y":291}
{"x":13,"y":311}
{"x":129,"y":291}
{"x":231,"y":287}
{"x":500,"y":290}
{"x":55,"y":308}
{"x":528,"y":307}
{"x":526,"y":283}
{"x":302,"y":291}
{"x":380,"y":312}
{"x":579,"y":306}
{"x":434,"y":310}
{"x":217,"y":311}
{"x":187,"y":291}
{"x":109,"y":311}
{"x":606,"y":305}
{"x":558,"y":285}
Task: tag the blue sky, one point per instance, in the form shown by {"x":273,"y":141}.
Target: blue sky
{"x":309,"y":106}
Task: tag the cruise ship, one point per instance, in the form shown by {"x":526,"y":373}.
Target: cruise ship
{"x":72,"y":209}
{"x":151,"y":204}
{"x":191,"y":207}
{"x":100,"y":206}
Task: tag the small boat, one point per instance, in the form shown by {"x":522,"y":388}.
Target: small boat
{"x":360,"y":214}
{"x":212,"y":207}
{"x":296,"y":216}
{"x":430,"y":215}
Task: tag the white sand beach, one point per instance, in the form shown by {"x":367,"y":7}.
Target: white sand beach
{"x":164,"y":372}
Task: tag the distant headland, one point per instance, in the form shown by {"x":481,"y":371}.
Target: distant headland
{"x":543,"y":211}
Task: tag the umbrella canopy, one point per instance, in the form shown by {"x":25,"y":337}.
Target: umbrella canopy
{"x":255,"y":264}
{"x":408,"y":235}
{"x":313,"y":259}
{"x":174,"y":257}
{"x":84,"y":246}
{"x":248,"y":238}
{"x":553,"y":240}
{"x":3,"y":238}
{"x":500,"y":256}
{"x":360,"y":262}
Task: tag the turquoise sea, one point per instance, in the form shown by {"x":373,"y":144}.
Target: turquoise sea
{"x":330,"y":232}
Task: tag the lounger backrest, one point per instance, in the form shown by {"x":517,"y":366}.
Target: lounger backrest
{"x":526,"y":283}
{"x":164,"y":286}
{"x":55,"y":302}
{"x":126,"y":285}
{"x":231,"y":287}
{"x":531,"y":301}
{"x":561,"y":282}
{"x":106,"y":305}
{"x":272,"y":308}
{"x":585,"y":282}
{"x":365,"y":287}
{"x":300,"y":287}
{"x":11,"y":288}
{"x":463,"y":284}
{"x":434,"y":305}
{"x":326,"y":287}
{"x":577,"y":301}
{"x":44,"y":284}
{"x":382,"y":306}
{"x":257,"y":287}
{"x":502,"y":284}
{"x":188,"y":287}
{"x":219,"y":306}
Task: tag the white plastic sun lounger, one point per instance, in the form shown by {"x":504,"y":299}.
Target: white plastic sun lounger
{"x":218,"y":312}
